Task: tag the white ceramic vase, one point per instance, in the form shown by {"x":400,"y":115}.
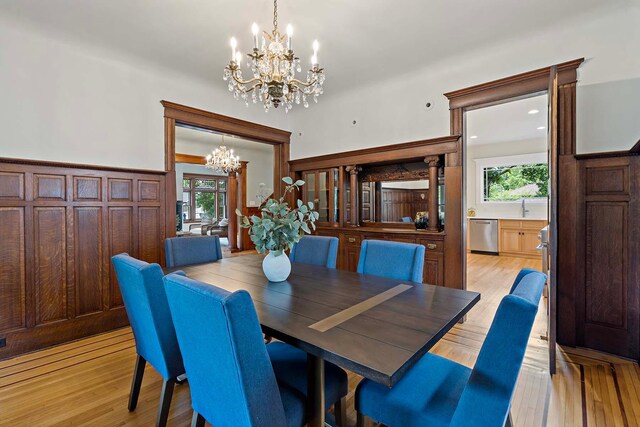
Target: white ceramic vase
{"x":276,"y":268}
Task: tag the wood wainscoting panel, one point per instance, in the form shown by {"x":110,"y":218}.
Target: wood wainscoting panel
{"x":606,"y":264}
{"x":50,"y":263}
{"x":120,"y":240}
{"x":51,"y":187}
{"x":60,"y":224}
{"x":149,"y":230}
{"x":12,"y":268}
{"x":12,"y":185}
{"x":87,"y":188}
{"x":148,"y":191}
{"x":608,"y":290}
{"x":120,"y":189}
{"x":608,"y":180}
{"x":88,"y":260}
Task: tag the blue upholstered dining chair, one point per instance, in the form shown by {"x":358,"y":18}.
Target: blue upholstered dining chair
{"x":523,"y":274}
{"x":192,"y":250}
{"x":438,"y":391}
{"x":317,"y":250}
{"x":235,"y":380}
{"x":395,"y":260}
{"x":146,"y":304}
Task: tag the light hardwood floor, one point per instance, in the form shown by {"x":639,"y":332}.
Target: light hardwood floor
{"x":87,"y":382}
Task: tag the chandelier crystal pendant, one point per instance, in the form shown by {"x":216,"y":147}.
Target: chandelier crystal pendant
{"x":274,"y":66}
{"x":222,"y":159}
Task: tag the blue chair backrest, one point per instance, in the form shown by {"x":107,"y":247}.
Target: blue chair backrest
{"x":520,"y":275}
{"x":146,"y":304}
{"x":529,"y":285}
{"x":192,"y":250}
{"x":317,"y":250}
{"x":230,"y":374}
{"x":486,"y":399}
{"x":406,"y":219}
{"x":395,"y":260}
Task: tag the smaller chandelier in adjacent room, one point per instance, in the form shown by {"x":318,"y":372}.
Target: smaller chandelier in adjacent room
{"x":273,"y":66}
{"x":222,"y":159}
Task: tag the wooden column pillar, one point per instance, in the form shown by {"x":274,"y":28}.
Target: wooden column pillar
{"x":241,"y":200}
{"x":354,"y":209}
{"x":432,"y":202}
{"x":232,"y":201}
{"x":378,"y":202}
{"x":341,"y":196}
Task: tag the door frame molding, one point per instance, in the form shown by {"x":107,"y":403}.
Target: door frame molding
{"x":504,"y":90}
{"x":181,"y":114}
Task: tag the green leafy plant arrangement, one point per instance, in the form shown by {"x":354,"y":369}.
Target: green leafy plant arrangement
{"x":279,"y":226}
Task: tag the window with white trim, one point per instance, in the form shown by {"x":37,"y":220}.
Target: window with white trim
{"x":513,"y":178}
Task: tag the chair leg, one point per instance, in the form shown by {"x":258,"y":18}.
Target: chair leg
{"x":509,"y":421}
{"x":340,"y":412}
{"x":165,"y":402}
{"x":197,"y":420}
{"x":136,"y":382}
{"x":180,"y":379}
{"x":363,"y":420}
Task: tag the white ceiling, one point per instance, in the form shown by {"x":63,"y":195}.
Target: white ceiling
{"x":508,"y":122}
{"x":359,"y":40}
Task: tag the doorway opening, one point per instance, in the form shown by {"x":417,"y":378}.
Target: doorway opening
{"x":203,"y":205}
{"x":507,"y":196}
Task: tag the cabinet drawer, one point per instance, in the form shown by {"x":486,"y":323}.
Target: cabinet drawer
{"x":352,"y":239}
{"x":533,"y":224}
{"x":530,"y":224}
{"x":510,"y":223}
{"x":431,"y":245}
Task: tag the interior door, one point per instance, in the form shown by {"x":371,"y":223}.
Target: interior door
{"x":553,"y":212}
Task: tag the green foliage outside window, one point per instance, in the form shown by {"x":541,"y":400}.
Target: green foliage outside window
{"x":207,"y":202}
{"x":510,"y":183}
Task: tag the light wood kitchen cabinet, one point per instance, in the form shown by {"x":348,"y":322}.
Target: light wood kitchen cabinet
{"x":520,"y":237}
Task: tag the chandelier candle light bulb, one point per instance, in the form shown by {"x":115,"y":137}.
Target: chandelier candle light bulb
{"x":273,"y":70}
{"x":255,"y":30}
{"x":289,"y":35}
{"x":234,"y":44}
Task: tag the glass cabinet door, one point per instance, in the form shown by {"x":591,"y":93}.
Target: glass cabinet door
{"x":321,"y":188}
{"x":323,"y":196}
{"x":309,"y":187}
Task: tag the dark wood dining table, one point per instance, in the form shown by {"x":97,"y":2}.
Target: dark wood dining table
{"x":373,"y":326}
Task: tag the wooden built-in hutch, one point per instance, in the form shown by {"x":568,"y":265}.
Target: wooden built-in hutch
{"x":349,"y":196}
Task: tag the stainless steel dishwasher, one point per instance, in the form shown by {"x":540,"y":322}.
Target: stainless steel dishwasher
{"x":483,"y":235}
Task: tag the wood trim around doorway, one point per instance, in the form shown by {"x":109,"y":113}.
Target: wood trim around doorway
{"x":177,"y":114}
{"x":522,"y":86}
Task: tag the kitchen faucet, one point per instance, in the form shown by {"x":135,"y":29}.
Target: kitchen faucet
{"x":524,"y":209}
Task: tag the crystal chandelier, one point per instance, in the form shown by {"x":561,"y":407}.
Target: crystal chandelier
{"x":273,"y":65}
{"x":222,"y":159}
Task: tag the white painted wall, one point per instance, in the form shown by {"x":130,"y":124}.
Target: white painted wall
{"x":501,"y":210}
{"x":393,"y":110}
{"x":62,"y":102}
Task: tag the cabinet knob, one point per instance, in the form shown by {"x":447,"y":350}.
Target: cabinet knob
{"x":352,"y":239}
{"x":431,"y":246}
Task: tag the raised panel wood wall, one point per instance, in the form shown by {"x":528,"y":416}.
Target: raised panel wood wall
{"x":399,"y":203}
{"x":60,"y":225}
{"x":607,"y":303}
{"x":12,"y":270}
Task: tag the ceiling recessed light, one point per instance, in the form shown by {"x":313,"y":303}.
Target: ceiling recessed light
{"x":534,"y":111}
{"x":541,"y":127}
{"x":473,"y":136}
